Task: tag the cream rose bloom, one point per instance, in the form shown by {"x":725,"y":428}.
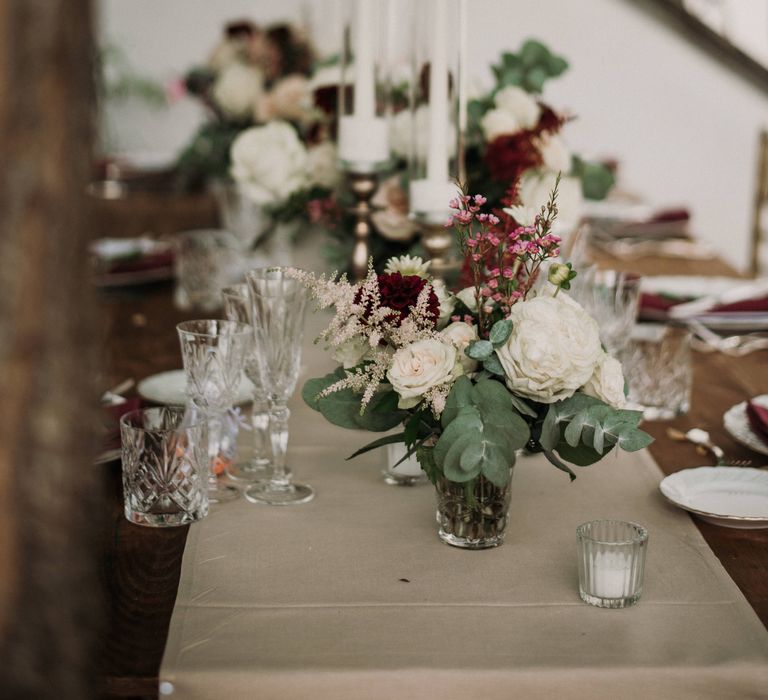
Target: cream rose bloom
{"x":607,"y":383}
{"x":322,"y":163}
{"x":269,"y":162}
{"x":555,"y":154}
{"x":238,"y":89}
{"x":514,"y":111}
{"x":421,"y":366}
{"x":535,"y":188}
{"x":467,"y":297}
{"x":461,"y":335}
{"x":553,"y":349}
{"x":351,"y":352}
{"x":446,"y":300}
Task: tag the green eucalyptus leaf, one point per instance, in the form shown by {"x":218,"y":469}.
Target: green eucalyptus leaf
{"x":550,"y":432}
{"x":507,"y":428}
{"x":495,"y":466}
{"x":493,"y":366}
{"x":633,"y":439}
{"x":480,"y":350}
{"x":553,"y":459}
{"x":313,"y":387}
{"x":467,"y":421}
{"x":522,"y":407}
{"x":500,"y":332}
{"x":458,"y":398}
{"x":491,"y":394}
{"x":452,"y":462}
{"x":582,"y":455}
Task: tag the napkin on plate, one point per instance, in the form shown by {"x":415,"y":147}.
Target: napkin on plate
{"x":758,"y":420}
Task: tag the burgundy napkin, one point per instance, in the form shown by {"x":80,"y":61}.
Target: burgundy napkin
{"x":143,"y":262}
{"x":759,"y":304}
{"x":758,"y":420}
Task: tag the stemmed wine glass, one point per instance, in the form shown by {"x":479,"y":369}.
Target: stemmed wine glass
{"x":214,"y":355}
{"x":237,"y":307}
{"x":278,"y":304}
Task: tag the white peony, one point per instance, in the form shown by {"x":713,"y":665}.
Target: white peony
{"x":446,"y":300}
{"x":391,"y":216}
{"x":535,"y":188}
{"x":323,"y":168}
{"x":351,"y":352}
{"x":607,"y":383}
{"x":461,"y":335}
{"x":409,"y":265}
{"x":467,"y":297}
{"x":553,"y":349}
{"x":515,"y":110}
{"x":419,"y":367}
{"x":238,"y":89}
{"x":555,"y":154}
{"x":269,"y":162}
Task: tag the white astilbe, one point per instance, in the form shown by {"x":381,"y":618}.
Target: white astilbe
{"x":370,"y":319}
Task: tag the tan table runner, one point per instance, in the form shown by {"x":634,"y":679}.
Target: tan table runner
{"x":353,"y":595}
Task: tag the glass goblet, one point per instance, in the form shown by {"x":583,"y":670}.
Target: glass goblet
{"x":237,"y":307}
{"x":278,"y":305}
{"x":214,"y":354}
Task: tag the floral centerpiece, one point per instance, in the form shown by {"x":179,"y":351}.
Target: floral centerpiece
{"x":265,"y":147}
{"x":508,"y":363}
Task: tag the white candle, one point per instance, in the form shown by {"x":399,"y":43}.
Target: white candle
{"x":611,"y":575}
{"x":365,"y":82}
{"x":437,"y":154}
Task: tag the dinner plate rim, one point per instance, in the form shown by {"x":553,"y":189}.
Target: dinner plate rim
{"x":754,"y":519}
{"x":141,"y":387}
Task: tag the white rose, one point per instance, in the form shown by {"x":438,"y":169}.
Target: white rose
{"x":237,"y":89}
{"x":421,"y":366}
{"x":467,"y":297}
{"x":497,"y":122}
{"x":553,"y":349}
{"x":269,"y":162}
{"x":323,"y":170}
{"x":555,"y":154}
{"x":535,"y":188}
{"x":607,"y":383}
{"x":351,"y":352}
{"x":446,"y":300}
{"x":519,"y":104}
{"x":461,"y":335}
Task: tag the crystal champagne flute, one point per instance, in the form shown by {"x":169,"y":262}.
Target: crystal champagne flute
{"x":237,"y":307}
{"x":278,"y":305}
{"x":214,"y":354}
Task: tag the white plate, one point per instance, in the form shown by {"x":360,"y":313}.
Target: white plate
{"x":170,"y":388}
{"x":737,"y":424}
{"x":683,"y":286}
{"x":730,"y":496}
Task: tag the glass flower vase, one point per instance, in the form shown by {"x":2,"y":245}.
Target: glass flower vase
{"x":474,"y":514}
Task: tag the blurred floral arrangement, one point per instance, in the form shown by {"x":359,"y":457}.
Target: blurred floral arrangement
{"x":509,"y":361}
{"x":512,"y":136}
{"x":265,"y":132}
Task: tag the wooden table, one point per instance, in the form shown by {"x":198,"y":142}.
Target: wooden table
{"x":141,"y":566}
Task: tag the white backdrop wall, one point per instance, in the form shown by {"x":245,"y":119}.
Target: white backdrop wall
{"x":683,"y":126}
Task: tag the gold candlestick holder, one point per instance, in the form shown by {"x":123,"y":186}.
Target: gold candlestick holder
{"x":437,"y":241}
{"x":363,"y":186}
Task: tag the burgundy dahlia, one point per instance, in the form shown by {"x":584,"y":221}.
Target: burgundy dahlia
{"x":401,"y":292}
{"x":508,"y":156}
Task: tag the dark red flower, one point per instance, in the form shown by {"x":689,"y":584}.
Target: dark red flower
{"x":508,"y":156}
{"x":401,"y":292}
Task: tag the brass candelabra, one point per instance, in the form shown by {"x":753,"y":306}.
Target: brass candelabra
{"x":363,"y":186}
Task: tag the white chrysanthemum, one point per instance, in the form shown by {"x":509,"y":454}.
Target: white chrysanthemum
{"x":237,"y":89}
{"x":269,"y":162}
{"x":553,"y":349}
{"x":420,"y":367}
{"x":408,"y":265}
{"x":461,"y":335}
{"x":607,"y":383}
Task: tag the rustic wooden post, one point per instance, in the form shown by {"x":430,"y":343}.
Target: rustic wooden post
{"x":49,"y":517}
